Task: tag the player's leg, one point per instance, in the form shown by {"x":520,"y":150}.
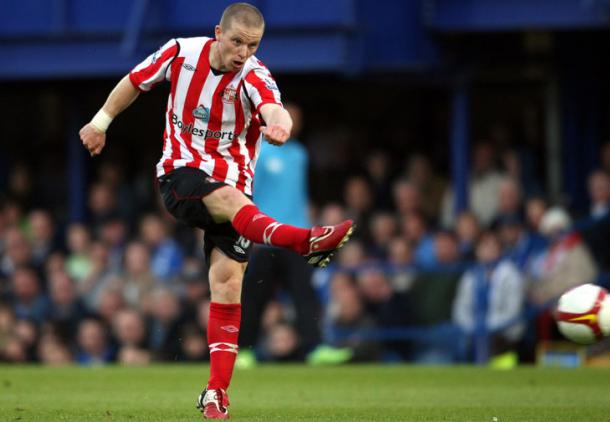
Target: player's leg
{"x":316,"y":244}
{"x":225,"y":276}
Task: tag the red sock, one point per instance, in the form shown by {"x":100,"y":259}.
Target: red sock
{"x":223,"y":331}
{"x":260,"y":228}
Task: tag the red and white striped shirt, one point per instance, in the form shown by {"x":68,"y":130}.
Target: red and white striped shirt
{"x":211,"y":121}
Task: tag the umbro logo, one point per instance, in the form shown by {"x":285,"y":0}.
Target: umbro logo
{"x":257,"y":216}
{"x":189,"y":67}
{"x":229,"y":328}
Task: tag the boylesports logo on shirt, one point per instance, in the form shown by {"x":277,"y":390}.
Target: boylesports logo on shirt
{"x":204,"y":133}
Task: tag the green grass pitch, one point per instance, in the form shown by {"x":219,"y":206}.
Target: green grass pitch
{"x":300,"y":393}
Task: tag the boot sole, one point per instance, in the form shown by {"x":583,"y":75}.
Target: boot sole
{"x":322,"y":263}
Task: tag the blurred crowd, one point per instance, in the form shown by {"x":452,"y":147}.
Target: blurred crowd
{"x":129,"y":285}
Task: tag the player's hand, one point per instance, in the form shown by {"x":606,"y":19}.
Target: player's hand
{"x":275,"y":134}
{"x":93,"y":139}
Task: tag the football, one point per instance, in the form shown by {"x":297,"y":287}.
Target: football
{"x":583,"y":314}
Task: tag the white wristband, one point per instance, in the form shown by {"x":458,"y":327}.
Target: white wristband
{"x":101,"y":121}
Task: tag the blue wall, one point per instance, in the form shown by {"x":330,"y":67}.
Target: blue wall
{"x":78,"y":38}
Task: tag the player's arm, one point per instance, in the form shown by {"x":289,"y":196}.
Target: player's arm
{"x":278,"y":123}
{"x":142,"y":78}
{"x":93,"y":134}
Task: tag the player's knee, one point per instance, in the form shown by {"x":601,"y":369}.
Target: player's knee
{"x":225,"y":202}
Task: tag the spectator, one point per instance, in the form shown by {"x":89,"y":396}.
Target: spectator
{"x":99,"y":277}
{"x":520,"y":244}
{"x":379,"y":298}
{"x":332,"y":214}
{"x":14,"y":214}
{"x":489,"y":296}
{"x":55,"y":263}
{"x":407,"y":198}
{"x":386,"y":307}
{"x":129,"y":329}
{"x":194,"y":288}
{"x":66,"y":309}
{"x":400,"y":252}
{"x":352,"y":256}
{"x":112,"y":232}
{"x":193,"y":346}
{"x":28,"y":300}
{"x":102,"y":205}
{"x":599,"y":193}
{"x":483,"y":186}
{"x":166,"y":257}
{"x":111,"y":174}
{"x":383,"y":229}
{"x":378,"y":167}
{"x":93,"y":347}
{"x":165,"y":324}
{"x":429,"y":185}
{"x":468,"y":230}
{"x":509,"y":198}
{"x":110,"y":303}
{"x":415,"y":229}
{"x":42,"y":236}
{"x":21,"y":185}
{"x":347,"y":315}
{"x":51,"y":351}
{"x":359,"y":203}
{"x":27,"y":333}
{"x":402,"y":271}
{"x":18,"y":252}
{"x":282,"y":344}
{"x":566,"y":263}
{"x":535,"y":207}
{"x":446,"y":251}
{"x":78,"y":263}
{"x":139,"y":280}
{"x":14,"y":351}
{"x":520,"y":167}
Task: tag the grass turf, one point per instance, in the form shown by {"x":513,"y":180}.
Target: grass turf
{"x":295,"y":393}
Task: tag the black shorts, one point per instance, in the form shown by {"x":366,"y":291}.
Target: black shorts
{"x":182,"y":191}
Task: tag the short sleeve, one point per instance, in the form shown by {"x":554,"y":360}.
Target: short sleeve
{"x":261,"y":87}
{"x":153,"y":69}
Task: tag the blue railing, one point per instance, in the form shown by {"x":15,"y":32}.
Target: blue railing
{"x":447,"y":336}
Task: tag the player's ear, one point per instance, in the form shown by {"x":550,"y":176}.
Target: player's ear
{"x":217,"y":32}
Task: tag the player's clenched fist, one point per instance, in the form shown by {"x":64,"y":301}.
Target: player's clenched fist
{"x":275,"y":134}
{"x":92,"y":139}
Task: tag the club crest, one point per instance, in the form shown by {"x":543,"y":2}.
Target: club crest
{"x":229,"y":95}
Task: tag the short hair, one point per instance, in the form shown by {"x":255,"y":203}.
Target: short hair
{"x":243,"y":13}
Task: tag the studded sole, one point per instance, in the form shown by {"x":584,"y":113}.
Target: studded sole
{"x":324,"y":262}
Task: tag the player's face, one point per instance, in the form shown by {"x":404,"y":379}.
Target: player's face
{"x":236,"y":44}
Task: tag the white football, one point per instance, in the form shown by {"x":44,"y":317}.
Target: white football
{"x":583,"y":314}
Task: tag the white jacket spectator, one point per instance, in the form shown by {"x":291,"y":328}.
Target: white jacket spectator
{"x":505,"y":292}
